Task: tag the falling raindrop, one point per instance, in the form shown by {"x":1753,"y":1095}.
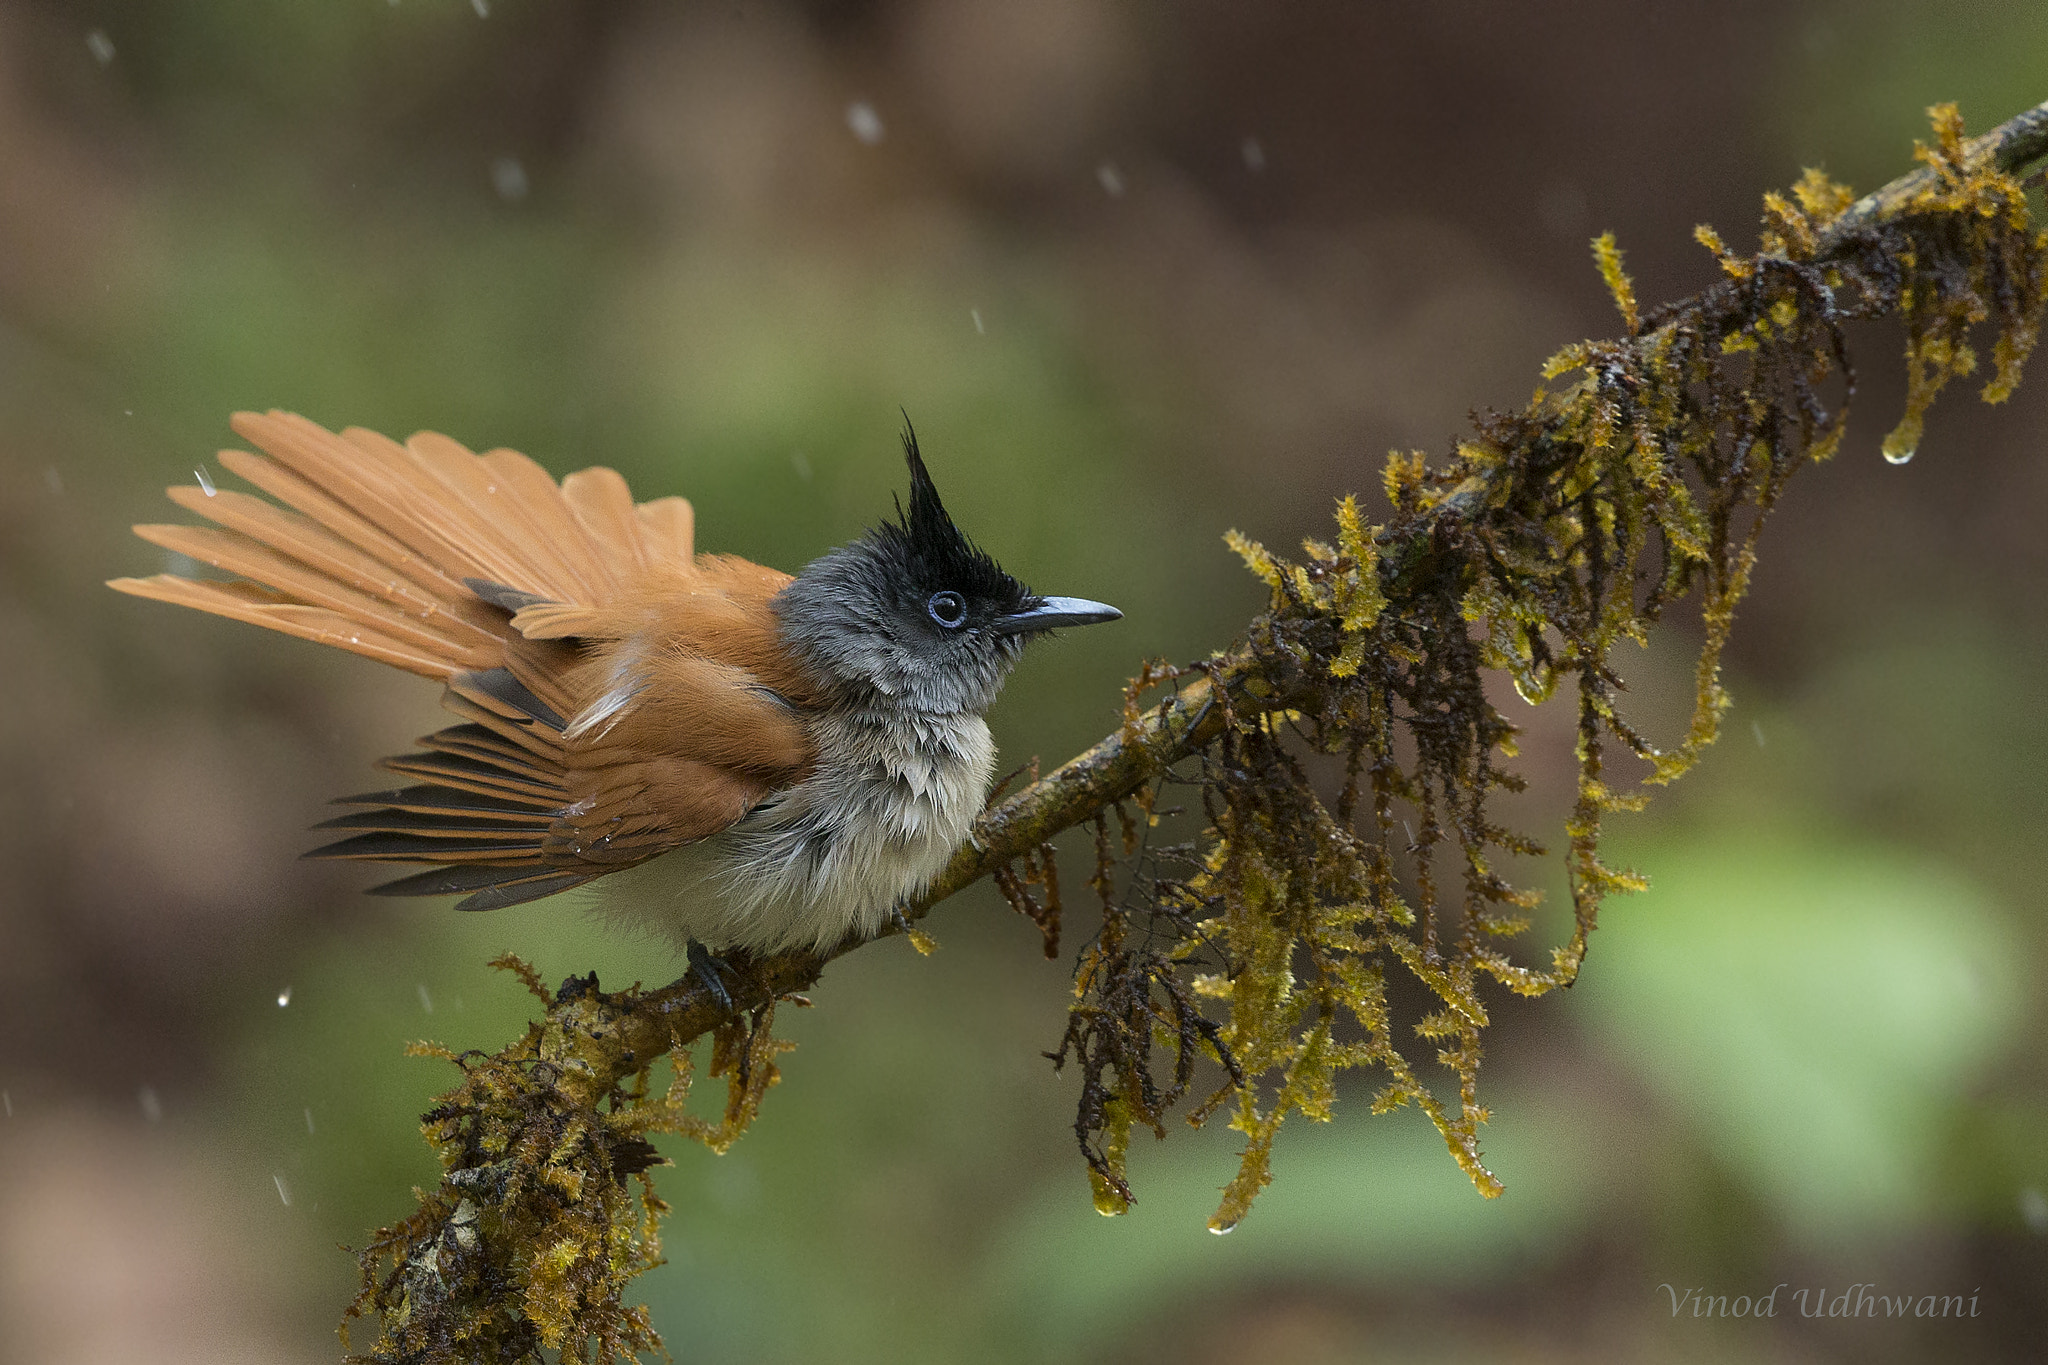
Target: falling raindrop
{"x":100,"y":45}
{"x":309,"y":1121}
{"x":482,"y":8}
{"x":1112,"y":179}
{"x":1756,"y":728}
{"x":283,"y":1190}
{"x":865,"y":123}
{"x":979,"y":330}
{"x":54,"y":479}
{"x":426,"y":1001}
{"x":801,"y":463}
{"x":7,"y":1103}
{"x":508,"y":178}
{"x":152,"y":1107}
{"x":1254,"y":153}
{"x":284,"y":997}
{"x":205,"y":482}
{"x":2034,"y":1210}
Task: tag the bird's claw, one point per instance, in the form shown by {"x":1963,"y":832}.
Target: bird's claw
{"x":713,"y":971}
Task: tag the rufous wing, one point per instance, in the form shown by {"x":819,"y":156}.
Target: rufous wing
{"x":618,"y":694}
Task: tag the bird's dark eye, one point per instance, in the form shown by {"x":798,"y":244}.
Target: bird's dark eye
{"x":949,"y":609}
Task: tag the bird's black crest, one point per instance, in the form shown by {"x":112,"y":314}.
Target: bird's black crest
{"x":938,"y":553}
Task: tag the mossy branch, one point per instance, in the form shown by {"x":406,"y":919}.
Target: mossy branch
{"x":1547,"y":539}
{"x":1122,"y":763}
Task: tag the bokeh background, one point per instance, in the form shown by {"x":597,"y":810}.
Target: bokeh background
{"x":1139,"y":272}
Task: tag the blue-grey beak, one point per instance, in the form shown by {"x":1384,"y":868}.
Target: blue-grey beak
{"x":1050,"y":613}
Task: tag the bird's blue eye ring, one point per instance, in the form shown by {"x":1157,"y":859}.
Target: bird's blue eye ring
{"x":947,"y":608}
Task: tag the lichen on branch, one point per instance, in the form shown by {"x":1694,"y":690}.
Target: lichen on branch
{"x":545,"y":1211}
{"x":1247,"y":970}
{"x":1640,"y":481}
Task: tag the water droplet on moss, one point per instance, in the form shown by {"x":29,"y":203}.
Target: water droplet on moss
{"x":1899,"y":452}
{"x":1223,"y":1229}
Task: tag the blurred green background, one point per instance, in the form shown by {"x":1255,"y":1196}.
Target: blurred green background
{"x":1139,"y":272}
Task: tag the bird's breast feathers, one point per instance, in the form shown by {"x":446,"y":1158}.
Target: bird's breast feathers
{"x":891,"y":796}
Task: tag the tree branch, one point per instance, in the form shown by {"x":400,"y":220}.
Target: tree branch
{"x":1122,"y":763}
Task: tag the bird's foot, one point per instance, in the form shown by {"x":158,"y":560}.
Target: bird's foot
{"x":713,"y":971}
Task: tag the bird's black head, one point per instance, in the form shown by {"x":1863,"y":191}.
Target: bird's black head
{"x":917,"y":612}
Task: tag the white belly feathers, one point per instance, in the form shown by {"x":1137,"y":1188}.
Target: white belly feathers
{"x":892,"y":798}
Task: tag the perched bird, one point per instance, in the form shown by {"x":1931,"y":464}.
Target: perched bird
{"x":751,"y":760}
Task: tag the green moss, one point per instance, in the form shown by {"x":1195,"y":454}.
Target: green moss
{"x":545,"y":1211}
{"x":1554,"y":534}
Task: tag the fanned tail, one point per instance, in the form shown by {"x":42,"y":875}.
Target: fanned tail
{"x":420,"y":556}
{"x":376,"y":544}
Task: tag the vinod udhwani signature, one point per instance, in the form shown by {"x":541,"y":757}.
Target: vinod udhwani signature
{"x":1857,"y":1301}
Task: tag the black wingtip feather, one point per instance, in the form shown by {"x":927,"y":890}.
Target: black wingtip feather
{"x":421,"y":848}
{"x":430,"y":799}
{"x":447,"y":826}
{"x":498,"y":595}
{"x":484,"y":887}
{"x":499,"y":685}
{"x":455,"y":881}
{"x":489,"y":886}
{"x":518,"y":893}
